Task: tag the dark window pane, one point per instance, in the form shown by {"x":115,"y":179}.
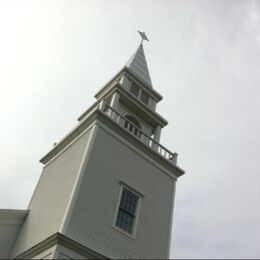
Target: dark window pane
{"x":126,"y":211}
{"x":124,"y":221}
{"x":145,"y":97}
{"x":135,"y":89}
{"x":128,"y":202}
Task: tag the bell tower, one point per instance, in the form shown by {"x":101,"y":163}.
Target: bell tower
{"x":107,"y":188}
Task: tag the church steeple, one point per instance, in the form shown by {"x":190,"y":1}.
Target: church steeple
{"x":138,"y":65}
{"x":107,"y":188}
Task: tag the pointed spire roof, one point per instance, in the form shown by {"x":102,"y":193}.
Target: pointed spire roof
{"x":138,"y":65}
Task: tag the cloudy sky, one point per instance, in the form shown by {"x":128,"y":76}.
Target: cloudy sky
{"x":203,"y":58}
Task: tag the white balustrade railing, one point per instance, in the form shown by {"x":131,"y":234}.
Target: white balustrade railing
{"x":137,"y":132}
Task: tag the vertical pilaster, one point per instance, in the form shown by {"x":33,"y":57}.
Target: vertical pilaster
{"x":157,"y":135}
{"x":114,"y":101}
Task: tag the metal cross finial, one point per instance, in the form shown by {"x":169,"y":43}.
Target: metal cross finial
{"x":143,"y":36}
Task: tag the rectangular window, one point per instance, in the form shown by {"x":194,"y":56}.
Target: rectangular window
{"x":135,"y":89}
{"x":127,"y":211}
{"x":145,"y":97}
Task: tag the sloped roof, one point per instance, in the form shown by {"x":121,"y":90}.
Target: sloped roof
{"x":138,"y":65}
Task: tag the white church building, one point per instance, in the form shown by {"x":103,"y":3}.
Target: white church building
{"x":107,"y":188}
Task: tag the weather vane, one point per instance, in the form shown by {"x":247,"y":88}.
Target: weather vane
{"x":143,"y":36}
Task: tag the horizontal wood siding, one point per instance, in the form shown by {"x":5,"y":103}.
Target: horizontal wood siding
{"x":51,"y":197}
{"x":93,"y":214}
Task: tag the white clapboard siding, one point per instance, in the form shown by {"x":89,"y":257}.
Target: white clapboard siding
{"x":92,"y":218}
{"x":51,"y":197}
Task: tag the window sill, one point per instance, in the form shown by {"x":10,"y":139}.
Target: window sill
{"x":124,"y":232}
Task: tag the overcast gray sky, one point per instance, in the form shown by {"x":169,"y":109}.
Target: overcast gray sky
{"x":203,"y":58}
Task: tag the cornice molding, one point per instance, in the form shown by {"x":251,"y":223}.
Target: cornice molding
{"x":128,"y":72}
{"x":68,"y":138}
{"x":92,"y":118}
{"x":12,"y":216}
{"x":146,"y":111}
{"x":63,"y":240}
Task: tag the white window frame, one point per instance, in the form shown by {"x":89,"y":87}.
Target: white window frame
{"x":140,"y":196}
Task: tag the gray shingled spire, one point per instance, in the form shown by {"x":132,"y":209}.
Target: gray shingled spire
{"x":137,"y":64}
